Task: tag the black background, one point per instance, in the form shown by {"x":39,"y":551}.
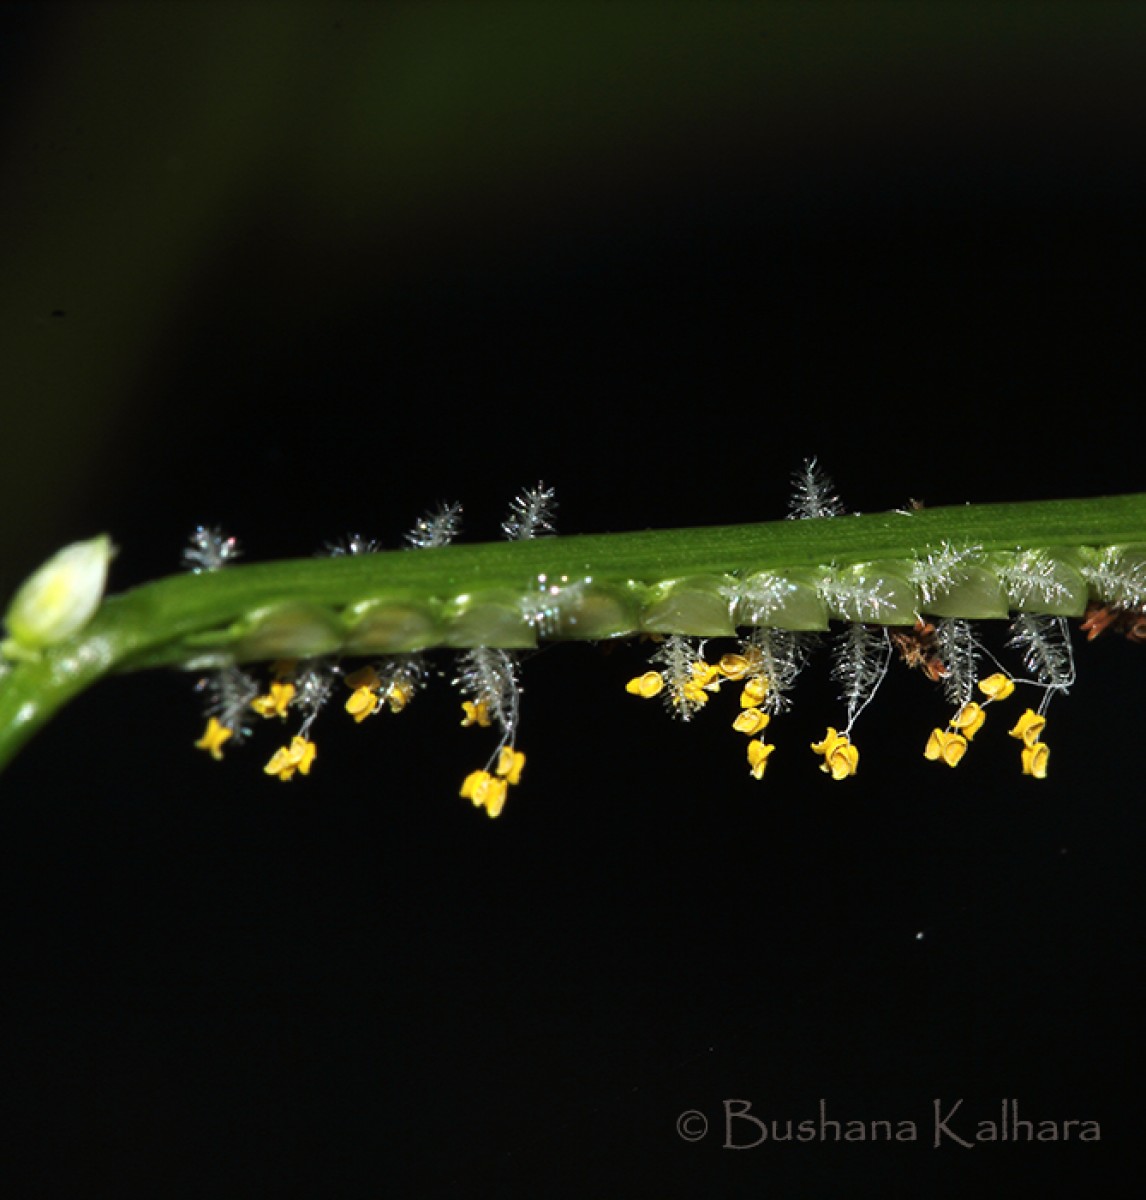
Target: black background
{"x":904,"y":239}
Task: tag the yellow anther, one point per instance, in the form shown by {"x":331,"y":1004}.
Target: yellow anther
{"x":969,"y":719}
{"x":750,"y":721}
{"x":692,"y":693}
{"x":298,"y":756}
{"x":1034,"y":759}
{"x":1028,"y":727}
{"x":758,"y":753}
{"x":476,"y":713}
{"x":495,"y":797}
{"x":362,"y":704}
{"x":398,"y":695}
{"x":364,"y":677}
{"x":280,"y":764}
{"x":841,"y":758}
{"x":733,"y":666}
{"x":832,"y":739}
{"x":945,"y":746}
{"x":755,"y":690}
{"x":997,"y":686}
{"x":276,"y":702}
{"x":704,"y":674}
{"x":213,"y":738}
{"x":509,"y":764}
{"x":485,"y":791}
{"x":471,"y":783}
{"x":303,"y":752}
{"x":646,"y":686}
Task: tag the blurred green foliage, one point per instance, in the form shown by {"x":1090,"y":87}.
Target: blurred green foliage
{"x":143,"y":139}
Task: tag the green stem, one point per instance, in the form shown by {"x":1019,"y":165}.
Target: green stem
{"x":465,"y":595}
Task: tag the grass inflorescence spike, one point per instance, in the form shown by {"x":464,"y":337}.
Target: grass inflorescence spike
{"x":741,"y":607}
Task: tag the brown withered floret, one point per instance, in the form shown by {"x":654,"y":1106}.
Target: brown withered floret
{"x":1130,"y":622}
{"x":919,"y":648}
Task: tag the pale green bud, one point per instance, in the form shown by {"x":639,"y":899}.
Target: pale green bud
{"x":58,"y":599}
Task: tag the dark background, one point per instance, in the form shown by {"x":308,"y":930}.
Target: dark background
{"x":302,"y":270}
